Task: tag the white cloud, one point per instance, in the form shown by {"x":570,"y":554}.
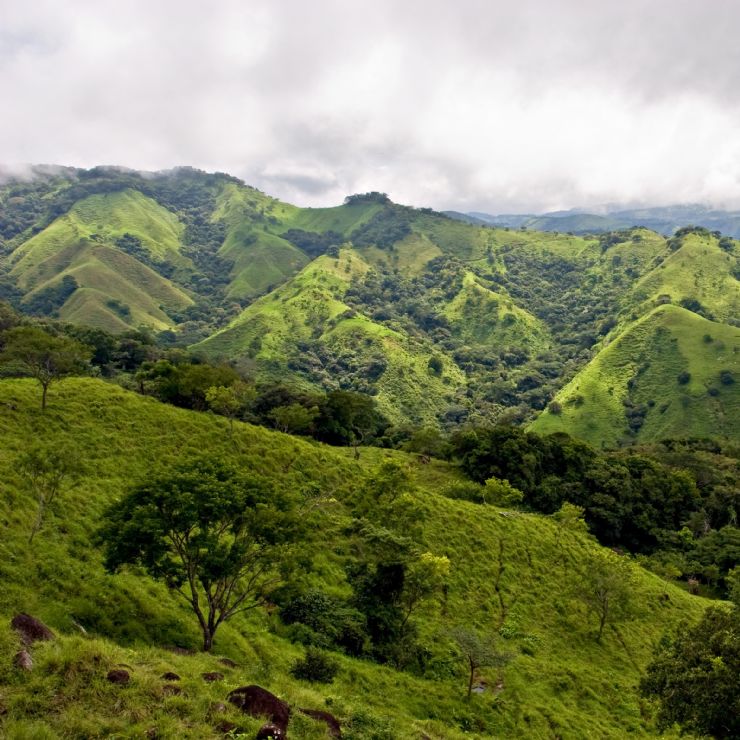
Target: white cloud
{"x":472,"y":105}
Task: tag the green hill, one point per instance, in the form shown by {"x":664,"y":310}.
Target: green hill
{"x":670,"y":374}
{"x":510,"y":577}
{"x":444,"y":322}
{"x":307,"y":317}
{"x":115,"y":289}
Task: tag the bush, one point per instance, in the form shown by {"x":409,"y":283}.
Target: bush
{"x":316,"y":666}
{"x":684,"y":377}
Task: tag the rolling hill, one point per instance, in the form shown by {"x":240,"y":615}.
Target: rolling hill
{"x":670,"y":374}
{"x":510,"y":577}
{"x":444,"y":322}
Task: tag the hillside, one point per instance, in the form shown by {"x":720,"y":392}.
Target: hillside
{"x":510,"y":577}
{"x":670,"y":374}
{"x":444,"y":323}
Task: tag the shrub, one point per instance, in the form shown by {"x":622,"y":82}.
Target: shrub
{"x":316,"y":666}
{"x":684,"y":377}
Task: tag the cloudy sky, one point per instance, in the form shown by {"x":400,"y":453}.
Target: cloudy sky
{"x":470,"y":104}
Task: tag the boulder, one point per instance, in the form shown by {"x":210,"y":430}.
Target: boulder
{"x":119,"y":676}
{"x":258,"y":702}
{"x":170,"y":676}
{"x":270,"y":731}
{"x":213,"y":676}
{"x":23,"y":661}
{"x":171,"y":689}
{"x":228,"y":662}
{"x":30,"y":629}
{"x":335,"y":729}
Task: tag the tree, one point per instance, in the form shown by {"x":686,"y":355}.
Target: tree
{"x":33,"y":352}
{"x":424,"y":577}
{"x":219,"y":538}
{"x":695,"y":676}
{"x":230,"y":401}
{"x":45,"y":470}
{"x":605,"y":587}
{"x":478,"y":652}
{"x":294,"y":418}
{"x":501,"y":493}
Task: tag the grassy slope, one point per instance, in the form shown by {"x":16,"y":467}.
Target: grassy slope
{"x":653,"y":351}
{"x":699,"y":269}
{"x":483,"y":316}
{"x":310,"y":307}
{"x":260,"y":260}
{"x":561,"y":684}
{"x":80,"y":244}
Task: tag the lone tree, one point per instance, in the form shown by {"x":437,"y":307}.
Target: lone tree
{"x":30,"y":351}
{"x":478,"y":652}
{"x":45,"y":470}
{"x":605,"y":587}
{"x":219,"y":538}
{"x":696,"y":676}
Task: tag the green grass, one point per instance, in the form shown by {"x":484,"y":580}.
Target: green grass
{"x":562,"y":682}
{"x":650,"y":355}
{"x":483,"y":316}
{"x":81,"y":244}
{"x":698,"y":270}
{"x":310,"y":308}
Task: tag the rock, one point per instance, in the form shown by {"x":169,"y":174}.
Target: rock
{"x":270,"y":731}
{"x":258,"y":702}
{"x":171,"y":689}
{"x":213,"y":676}
{"x":23,"y":661}
{"x":228,"y":662}
{"x":119,"y":676}
{"x":170,"y":676}
{"x":335,"y":729}
{"x":30,"y":629}
{"x":152,"y":733}
{"x":217,"y":708}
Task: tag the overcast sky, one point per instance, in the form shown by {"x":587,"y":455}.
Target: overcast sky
{"x":497,"y":106}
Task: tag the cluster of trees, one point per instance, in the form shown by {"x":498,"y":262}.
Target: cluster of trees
{"x":694,"y":675}
{"x":679,"y":510}
{"x":226,"y":541}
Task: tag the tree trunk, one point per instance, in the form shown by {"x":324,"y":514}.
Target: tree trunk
{"x":602,"y":622}
{"x":45,"y":387}
{"x":470,"y":681}
{"x":207,"y":640}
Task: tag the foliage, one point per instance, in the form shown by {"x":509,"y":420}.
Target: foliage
{"x":316,"y":666}
{"x":604,"y":585}
{"x":46,"y":470}
{"x":478,"y":652}
{"x":28,"y":350}
{"x":211,"y":533}
{"x":694,"y":676}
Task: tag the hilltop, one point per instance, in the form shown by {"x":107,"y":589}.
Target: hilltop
{"x":510,"y":577}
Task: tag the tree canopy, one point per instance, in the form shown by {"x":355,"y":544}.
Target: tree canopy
{"x":216,"y":536}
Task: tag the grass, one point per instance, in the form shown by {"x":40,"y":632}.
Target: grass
{"x":309,"y":308}
{"x":509,"y":569}
{"x":81,"y":244}
{"x":641,"y":367}
{"x":483,"y":316}
{"x":698,"y":270}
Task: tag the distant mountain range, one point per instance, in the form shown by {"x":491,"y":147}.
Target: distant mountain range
{"x":663,"y":219}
